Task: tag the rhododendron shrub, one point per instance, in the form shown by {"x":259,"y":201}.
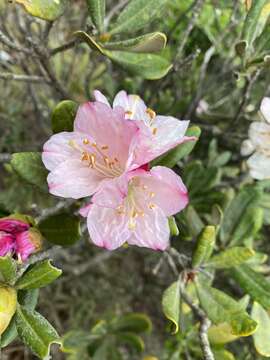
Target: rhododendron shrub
{"x":140,"y":165}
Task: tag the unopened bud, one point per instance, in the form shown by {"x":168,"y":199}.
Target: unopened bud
{"x":8,"y":301}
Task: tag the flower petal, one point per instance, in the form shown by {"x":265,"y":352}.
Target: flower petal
{"x":259,"y":165}
{"x":6,"y":243}
{"x":12,"y":225}
{"x":108,"y":127}
{"x":73,"y":179}
{"x":265,"y":108}
{"x":133,"y":105}
{"x":57,"y":149}
{"x":101,"y":98}
{"x":151,"y":231}
{"x":247,"y":148}
{"x":106,"y":227}
{"x":24,"y":247}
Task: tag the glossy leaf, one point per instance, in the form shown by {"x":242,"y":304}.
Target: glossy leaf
{"x":8,"y":300}
{"x":44,"y":9}
{"x":63,"y":116}
{"x":221,"y":308}
{"x":239,"y":221}
{"x":253,"y":283}
{"x":35,"y":331}
{"x":134,"y":322}
{"x":132,"y":340}
{"x":205,"y":246}
{"x":39,"y":275}
{"x":222,"y":354}
{"x":61,"y":229}
{"x":96,"y":10}
{"x":30,"y":167}
{"x":149,"y":66}
{"x":148,"y":43}
{"x":221,"y":334}
{"x":171,"y":158}
{"x":262,"y":335}
{"x":137,"y":14}
{"x":7,"y":269}
{"x":231,"y":257}
{"x":171,"y":304}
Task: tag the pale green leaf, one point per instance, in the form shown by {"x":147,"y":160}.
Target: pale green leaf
{"x":171,"y":304}
{"x":262,"y":335}
{"x":96,"y":10}
{"x":205,"y":246}
{"x":44,"y":9}
{"x":231,"y":257}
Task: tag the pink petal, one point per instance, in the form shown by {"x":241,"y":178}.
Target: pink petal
{"x":106,"y":227}
{"x":148,"y":145}
{"x":24,"y":246}
{"x":133,"y":105}
{"x":259,"y":134}
{"x":84,"y":211}
{"x":151,"y":231}
{"x":265,"y":108}
{"x":167,"y":188}
{"x":101,"y":98}
{"x":108,"y":127}
{"x":112,"y":192}
{"x":259,"y":165}
{"x":58,"y":149}
{"x":73,"y":179}
{"x":6,"y":243}
{"x":12,"y":225}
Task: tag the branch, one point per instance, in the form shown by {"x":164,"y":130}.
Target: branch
{"x":12,"y":45}
{"x":27,"y":78}
{"x":64,"y":47}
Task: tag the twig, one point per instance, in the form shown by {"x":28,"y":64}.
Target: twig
{"x":196,"y":12}
{"x":114,"y":11}
{"x":27,"y":78}
{"x":12,"y":45}
{"x":64,"y":47}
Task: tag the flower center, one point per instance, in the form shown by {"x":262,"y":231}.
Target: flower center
{"x":97,"y":157}
{"x":139,"y":199}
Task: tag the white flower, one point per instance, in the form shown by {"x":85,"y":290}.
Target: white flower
{"x":259,"y":144}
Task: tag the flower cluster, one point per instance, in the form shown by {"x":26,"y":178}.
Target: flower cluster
{"x":17,"y":237}
{"x":258,"y":145}
{"x":107,"y":157}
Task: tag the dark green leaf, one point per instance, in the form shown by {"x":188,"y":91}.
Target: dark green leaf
{"x":132,"y":340}
{"x":96,"y":10}
{"x":30,"y":167}
{"x":63,"y":116}
{"x":136,"y":323}
{"x":39,"y":275}
{"x":35,"y":331}
{"x":253,"y":283}
{"x":7,"y":268}
{"x":171,"y":304}
{"x":61,"y":229}
{"x":137,"y":14}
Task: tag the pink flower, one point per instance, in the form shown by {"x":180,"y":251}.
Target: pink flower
{"x":136,"y":210}
{"x":17,"y":237}
{"x":106,"y":144}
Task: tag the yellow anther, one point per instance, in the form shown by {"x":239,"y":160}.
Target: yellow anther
{"x":92,"y":160}
{"x":94,"y":144}
{"x":151,"y":113}
{"x":85,"y":156}
{"x":86,"y":141}
{"x":154,"y":131}
{"x":132,"y":225}
{"x":152,"y":194}
{"x":128,"y":112}
{"x":134,"y":214}
{"x":152,"y":206}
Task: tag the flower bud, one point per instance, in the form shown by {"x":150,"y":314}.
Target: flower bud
{"x":8,"y":301}
{"x":28,"y":242}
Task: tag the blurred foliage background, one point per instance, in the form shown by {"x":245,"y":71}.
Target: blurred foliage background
{"x":207,"y":84}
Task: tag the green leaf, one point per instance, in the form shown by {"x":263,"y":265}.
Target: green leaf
{"x":75,"y":340}
{"x":27,"y":298}
{"x":253,"y":283}
{"x":132,"y":340}
{"x":7,"y":269}
{"x":221,"y":308}
{"x":148,"y":43}
{"x":39,"y":275}
{"x":96,"y":10}
{"x":30,"y":168}
{"x":134,"y":322}
{"x":262,"y":335}
{"x":8,"y":300}
{"x":149,"y":66}
{"x":241,"y":219}
{"x":231,"y":257}
{"x":35,"y":331}
{"x":61,"y":229}
{"x":137,"y":14}
{"x":193,"y":220}
{"x":174,"y":231}
{"x":44,"y":9}
{"x":222,"y":354}
{"x":171,"y":158}
{"x":171,"y":304}
{"x":255,"y":22}
{"x":221,"y":334}
{"x":205,"y":246}
{"x":63,"y":116}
